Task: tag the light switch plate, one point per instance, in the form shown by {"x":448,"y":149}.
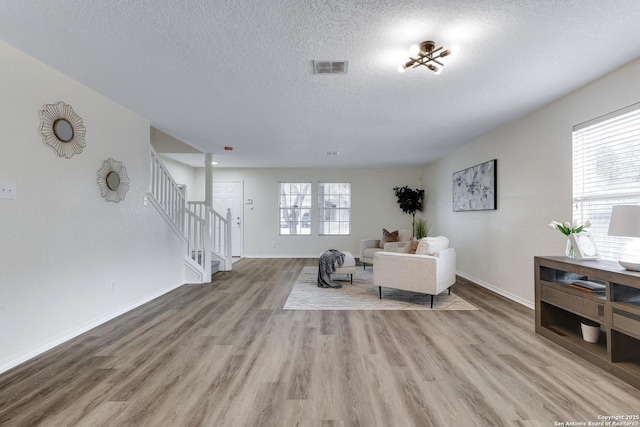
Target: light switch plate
{"x":7,"y":190}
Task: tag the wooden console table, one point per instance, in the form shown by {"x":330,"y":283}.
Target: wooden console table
{"x":559,"y":309}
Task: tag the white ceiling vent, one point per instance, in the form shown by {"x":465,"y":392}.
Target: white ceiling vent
{"x":330,"y":67}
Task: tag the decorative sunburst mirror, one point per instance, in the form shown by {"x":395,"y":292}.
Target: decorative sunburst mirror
{"x":62,"y":129}
{"x":113,"y":180}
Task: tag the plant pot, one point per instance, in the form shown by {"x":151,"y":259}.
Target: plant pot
{"x":590,"y":333}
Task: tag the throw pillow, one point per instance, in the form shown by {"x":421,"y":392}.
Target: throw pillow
{"x":436,"y":244}
{"x":388,"y":237}
{"x":422,"y":247}
{"x":411,"y":246}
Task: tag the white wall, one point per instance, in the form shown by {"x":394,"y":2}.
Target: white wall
{"x":183,"y":175}
{"x":63,"y":245}
{"x":496,"y":248}
{"x":374,"y":206}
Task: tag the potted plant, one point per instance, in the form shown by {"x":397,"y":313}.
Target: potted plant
{"x":420,"y":228}
{"x":410,"y":201}
{"x":590,"y":330}
{"x":568,"y":228}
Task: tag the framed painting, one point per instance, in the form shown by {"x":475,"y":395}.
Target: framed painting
{"x":474,"y":188}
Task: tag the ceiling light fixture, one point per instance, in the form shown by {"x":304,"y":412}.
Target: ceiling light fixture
{"x":426,"y":54}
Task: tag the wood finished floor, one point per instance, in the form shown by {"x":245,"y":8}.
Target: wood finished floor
{"x":227,"y":355}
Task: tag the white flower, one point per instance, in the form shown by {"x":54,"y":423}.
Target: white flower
{"x":567,"y":227}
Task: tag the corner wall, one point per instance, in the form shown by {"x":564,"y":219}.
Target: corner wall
{"x":496,"y":248}
{"x":182,"y":175}
{"x":69,"y":260}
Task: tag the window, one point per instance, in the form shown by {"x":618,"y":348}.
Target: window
{"x":606,"y":172}
{"x":295,"y":208}
{"x":334,"y":209}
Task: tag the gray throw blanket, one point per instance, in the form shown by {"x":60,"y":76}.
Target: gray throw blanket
{"x":327,"y":265}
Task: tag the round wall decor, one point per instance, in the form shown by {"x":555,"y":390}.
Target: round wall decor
{"x":113,"y":180}
{"x":62,"y":129}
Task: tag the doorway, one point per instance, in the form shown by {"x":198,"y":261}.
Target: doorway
{"x":229,"y":195}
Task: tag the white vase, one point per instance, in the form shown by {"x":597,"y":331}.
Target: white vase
{"x":590,"y":333}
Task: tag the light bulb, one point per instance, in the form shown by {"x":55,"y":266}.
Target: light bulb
{"x":401,"y":68}
{"x":414,"y":50}
{"x":437,"y":70}
{"x":454,"y":49}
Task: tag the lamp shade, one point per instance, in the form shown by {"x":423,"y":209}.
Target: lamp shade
{"x":625,"y":221}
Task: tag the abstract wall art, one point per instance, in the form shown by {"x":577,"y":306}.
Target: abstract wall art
{"x":474,"y":188}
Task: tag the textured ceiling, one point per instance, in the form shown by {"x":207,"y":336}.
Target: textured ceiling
{"x":239,"y":73}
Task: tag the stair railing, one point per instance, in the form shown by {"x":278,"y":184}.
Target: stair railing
{"x":167,"y":193}
{"x":217,"y":241}
{"x":221,"y":237}
{"x":207,"y":233}
{"x":196,"y":250}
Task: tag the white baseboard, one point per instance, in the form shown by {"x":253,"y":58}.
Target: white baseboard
{"x":498,"y":291}
{"x":30,"y":354}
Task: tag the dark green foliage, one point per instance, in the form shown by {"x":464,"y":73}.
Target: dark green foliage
{"x":410,"y":200}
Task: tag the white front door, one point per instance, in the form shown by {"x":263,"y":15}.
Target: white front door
{"x":228,"y":194}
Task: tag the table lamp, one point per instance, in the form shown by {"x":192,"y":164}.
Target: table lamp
{"x":625,"y":221}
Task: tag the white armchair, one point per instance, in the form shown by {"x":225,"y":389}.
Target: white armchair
{"x":427,"y":274}
{"x":369,"y":247}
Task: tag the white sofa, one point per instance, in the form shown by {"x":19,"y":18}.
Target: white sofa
{"x":369,"y":247}
{"x":430,"y":274}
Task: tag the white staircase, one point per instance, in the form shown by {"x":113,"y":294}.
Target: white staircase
{"x":207,"y":234}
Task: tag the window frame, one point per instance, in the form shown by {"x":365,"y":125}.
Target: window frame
{"x":295,"y":223}
{"x":605,"y":151}
{"x":326,"y":226}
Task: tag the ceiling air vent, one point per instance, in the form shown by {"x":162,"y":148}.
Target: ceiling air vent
{"x":330,"y":67}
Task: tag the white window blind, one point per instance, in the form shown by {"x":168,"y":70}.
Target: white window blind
{"x":334,"y":208}
{"x":606,"y":172}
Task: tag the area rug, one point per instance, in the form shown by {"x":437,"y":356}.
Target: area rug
{"x":362,"y":295}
